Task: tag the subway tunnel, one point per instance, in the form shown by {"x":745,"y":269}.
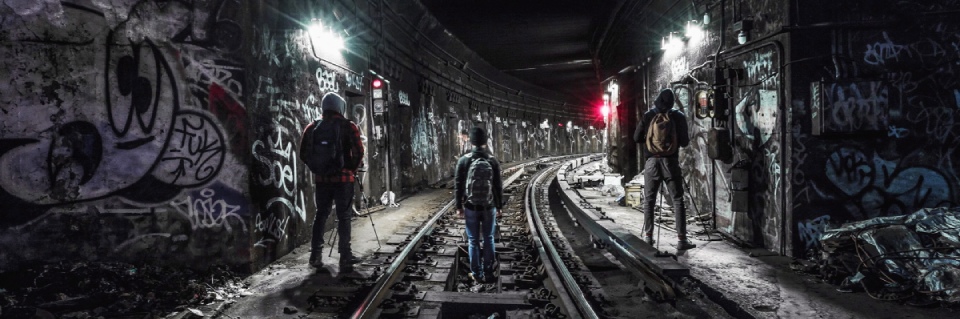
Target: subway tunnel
{"x":141,"y":138}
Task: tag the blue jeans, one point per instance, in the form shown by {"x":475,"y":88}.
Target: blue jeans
{"x":326,"y":195}
{"x":480,"y":226}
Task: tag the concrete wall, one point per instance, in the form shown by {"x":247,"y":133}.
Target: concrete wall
{"x":755,"y":115}
{"x":124,"y":134}
{"x":168,"y":132}
{"x":839,"y":110}
{"x":885,"y":77}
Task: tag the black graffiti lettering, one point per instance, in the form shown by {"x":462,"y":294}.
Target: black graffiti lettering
{"x":129,"y":145}
{"x":200,"y":148}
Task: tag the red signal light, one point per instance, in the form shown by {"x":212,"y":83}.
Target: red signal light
{"x":605,"y":110}
{"x":377,"y":83}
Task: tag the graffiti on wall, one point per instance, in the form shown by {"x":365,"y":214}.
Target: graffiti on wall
{"x":874,"y":186}
{"x":140,"y":142}
{"x":811,"y":230}
{"x":425,"y":140}
{"x":922,"y":68}
{"x":759,"y":122}
{"x":120,"y":130}
{"x":907,"y":101}
{"x":851,"y":106}
{"x":506,"y":141}
{"x":281,"y":180}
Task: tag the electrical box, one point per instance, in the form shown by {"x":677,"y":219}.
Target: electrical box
{"x":743,"y":25}
{"x":740,"y":201}
{"x":739,"y":179}
{"x":718,"y":144}
{"x":740,"y":187}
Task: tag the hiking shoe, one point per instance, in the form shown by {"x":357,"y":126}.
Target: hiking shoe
{"x":684,"y":244}
{"x":316,"y":259}
{"x":346,"y":268}
{"x":473,"y":279}
{"x":349,"y":259}
{"x":649,"y":240}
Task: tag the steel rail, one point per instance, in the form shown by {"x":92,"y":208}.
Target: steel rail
{"x":659,"y":274}
{"x":564,"y":282}
{"x":369,"y":304}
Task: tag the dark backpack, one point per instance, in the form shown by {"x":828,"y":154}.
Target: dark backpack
{"x":662,"y":135}
{"x":479,"y":186}
{"x":322,"y":147}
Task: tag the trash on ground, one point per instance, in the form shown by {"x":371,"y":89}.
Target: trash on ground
{"x":913,"y":258}
{"x":108,"y":289}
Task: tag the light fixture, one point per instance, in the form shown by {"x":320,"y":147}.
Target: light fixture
{"x":741,"y":28}
{"x":693,"y":27}
{"x":324,"y":39}
{"x":694,"y":31}
{"x":671,"y":42}
{"x":706,"y":18}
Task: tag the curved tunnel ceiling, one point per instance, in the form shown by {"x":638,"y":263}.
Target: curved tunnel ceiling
{"x":548,"y":43}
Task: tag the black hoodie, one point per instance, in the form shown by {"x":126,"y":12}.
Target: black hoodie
{"x":460,"y":179}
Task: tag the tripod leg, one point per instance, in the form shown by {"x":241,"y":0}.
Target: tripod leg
{"x":333,"y":237}
{"x":659,"y":208}
{"x":702,"y":223}
{"x":374,"y":230}
{"x":366,"y":207}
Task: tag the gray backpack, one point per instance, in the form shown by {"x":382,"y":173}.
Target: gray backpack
{"x":480,"y":182}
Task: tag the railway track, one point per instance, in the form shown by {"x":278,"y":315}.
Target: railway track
{"x":422,"y":271}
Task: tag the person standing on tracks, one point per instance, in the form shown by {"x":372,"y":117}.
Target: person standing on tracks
{"x":663,"y":131}
{"x":478,"y":195}
{"x":333,"y":150}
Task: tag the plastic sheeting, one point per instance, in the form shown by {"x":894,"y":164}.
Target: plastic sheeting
{"x":909,"y":257}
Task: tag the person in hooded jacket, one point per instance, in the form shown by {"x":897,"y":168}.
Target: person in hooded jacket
{"x":481,"y":221}
{"x":664,"y":168}
{"x":338,"y":188}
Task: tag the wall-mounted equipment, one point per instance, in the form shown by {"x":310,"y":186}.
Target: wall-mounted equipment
{"x":740,"y":186}
{"x":719,"y":104}
{"x":380,"y":92}
{"x":704,"y":102}
{"x":719,"y":146}
{"x":742,"y":28}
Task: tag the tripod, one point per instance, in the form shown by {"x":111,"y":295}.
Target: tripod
{"x":697,"y":209}
{"x":333,"y":236}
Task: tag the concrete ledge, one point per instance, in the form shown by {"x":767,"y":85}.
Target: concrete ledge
{"x":611,"y":233}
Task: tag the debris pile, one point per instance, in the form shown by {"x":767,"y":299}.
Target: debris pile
{"x":913,"y":258}
{"x":112,"y":289}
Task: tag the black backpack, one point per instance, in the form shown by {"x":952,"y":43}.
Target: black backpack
{"x":322,"y":148}
{"x":479,"y":187}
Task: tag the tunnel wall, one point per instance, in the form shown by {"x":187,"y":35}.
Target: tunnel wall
{"x":124,"y":135}
{"x":168,"y":132}
{"x":839,"y":110}
{"x":885,"y":94}
{"x":755,"y":119}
